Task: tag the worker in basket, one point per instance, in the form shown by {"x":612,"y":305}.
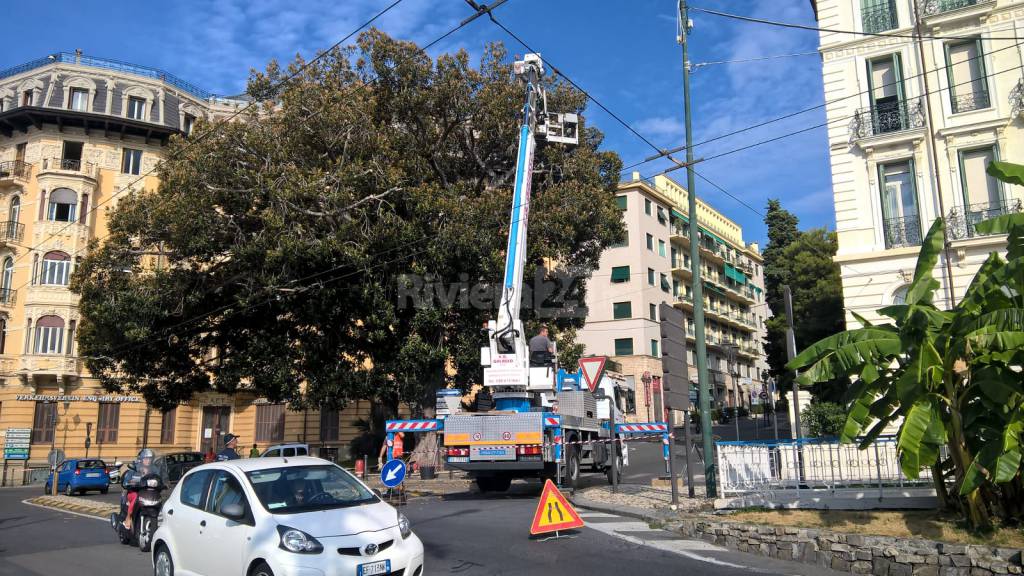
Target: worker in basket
{"x":542,"y":349}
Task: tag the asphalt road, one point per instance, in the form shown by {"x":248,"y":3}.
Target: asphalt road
{"x":465,"y":533}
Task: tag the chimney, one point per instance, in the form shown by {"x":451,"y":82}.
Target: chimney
{"x":636,"y":175}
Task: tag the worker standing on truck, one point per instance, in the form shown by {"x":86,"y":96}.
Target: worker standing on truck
{"x":542,"y":349}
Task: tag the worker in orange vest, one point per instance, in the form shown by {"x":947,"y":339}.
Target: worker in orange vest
{"x":397,"y":450}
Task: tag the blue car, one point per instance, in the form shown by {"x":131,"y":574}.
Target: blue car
{"x":79,"y":475}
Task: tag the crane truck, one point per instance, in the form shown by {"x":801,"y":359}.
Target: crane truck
{"x":545,"y":422}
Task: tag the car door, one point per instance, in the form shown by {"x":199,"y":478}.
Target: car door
{"x":64,"y":474}
{"x":184,"y":517}
{"x":229,"y":538}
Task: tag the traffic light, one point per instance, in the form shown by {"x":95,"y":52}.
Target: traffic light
{"x":675,"y":381}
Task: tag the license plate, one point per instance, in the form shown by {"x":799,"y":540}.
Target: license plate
{"x":374,"y":568}
{"x":93,"y":475}
{"x":492,"y":453}
{"x":458,"y":458}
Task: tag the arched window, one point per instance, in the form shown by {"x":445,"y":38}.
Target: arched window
{"x":14,"y":214}
{"x":62,"y":205}
{"x":56,"y":269}
{"x":7,"y":277}
{"x":49,"y":335}
{"x":899,"y":296}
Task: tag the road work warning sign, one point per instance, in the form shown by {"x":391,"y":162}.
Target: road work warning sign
{"x":554,"y":512}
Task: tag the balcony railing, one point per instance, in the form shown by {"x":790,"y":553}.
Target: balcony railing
{"x":933,"y":7}
{"x":901,"y":232}
{"x":973,"y":101}
{"x":1017,"y":98}
{"x":8,"y":296}
{"x":879,"y":18}
{"x":886,"y":118}
{"x":70,"y":165}
{"x":15,"y":169}
{"x":11,"y":230}
{"x":962,"y":220}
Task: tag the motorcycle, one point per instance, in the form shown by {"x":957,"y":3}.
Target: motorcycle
{"x":147,"y":509}
{"x":114,"y":472}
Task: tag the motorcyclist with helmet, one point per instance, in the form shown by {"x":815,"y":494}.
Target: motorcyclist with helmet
{"x":143,"y":466}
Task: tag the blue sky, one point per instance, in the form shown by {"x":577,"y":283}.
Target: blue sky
{"x":624,"y":53}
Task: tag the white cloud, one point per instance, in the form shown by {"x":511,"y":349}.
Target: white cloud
{"x":661,"y":127}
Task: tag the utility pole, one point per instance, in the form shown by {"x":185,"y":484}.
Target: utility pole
{"x":701,"y":349}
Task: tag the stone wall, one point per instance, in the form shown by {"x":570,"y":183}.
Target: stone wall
{"x":877,"y":555}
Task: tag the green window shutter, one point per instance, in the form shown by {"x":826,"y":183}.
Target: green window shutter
{"x":623,"y":346}
{"x":650,"y":276}
{"x":620,"y":274}
{"x":654,"y":312}
{"x":622,"y":310}
{"x":664,"y":283}
{"x":620,"y":201}
{"x":654,"y":349}
{"x":661,"y":247}
{"x":650,"y":242}
{"x":647,"y":206}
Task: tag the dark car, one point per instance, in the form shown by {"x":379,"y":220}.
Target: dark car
{"x":80,"y":474}
{"x":174,"y":465}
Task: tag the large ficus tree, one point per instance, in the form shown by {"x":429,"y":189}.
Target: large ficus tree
{"x":951,"y":378}
{"x":279,"y":252}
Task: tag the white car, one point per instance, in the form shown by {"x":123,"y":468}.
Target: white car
{"x":296,"y":516}
{"x":286,"y":450}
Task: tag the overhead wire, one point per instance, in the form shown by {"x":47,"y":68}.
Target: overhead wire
{"x":224,"y":121}
{"x":812,"y":108}
{"x":616,"y":117}
{"x":756,"y":59}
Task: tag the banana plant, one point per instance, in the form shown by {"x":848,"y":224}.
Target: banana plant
{"x":951,"y":379}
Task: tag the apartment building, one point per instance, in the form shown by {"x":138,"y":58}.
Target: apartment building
{"x":653,"y":266}
{"x":76,"y":134}
{"x":912,"y":127}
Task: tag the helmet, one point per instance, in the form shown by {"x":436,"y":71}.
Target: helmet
{"x":146,"y":453}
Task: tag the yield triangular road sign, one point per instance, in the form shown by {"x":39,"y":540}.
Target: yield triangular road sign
{"x":554,"y":512}
{"x":592,"y":368}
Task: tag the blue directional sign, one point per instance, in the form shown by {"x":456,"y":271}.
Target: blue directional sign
{"x":393,"y":473}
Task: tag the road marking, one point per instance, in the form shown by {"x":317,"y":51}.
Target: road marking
{"x":63,"y":511}
{"x":597,"y":515}
{"x":676,"y":546}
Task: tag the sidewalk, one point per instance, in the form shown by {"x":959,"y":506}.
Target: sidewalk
{"x":855,"y":553}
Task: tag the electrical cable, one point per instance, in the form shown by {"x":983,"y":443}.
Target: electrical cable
{"x":813,"y":108}
{"x":757,"y":59}
{"x":837,"y":31}
{"x":224,"y":121}
{"x":192,"y":140}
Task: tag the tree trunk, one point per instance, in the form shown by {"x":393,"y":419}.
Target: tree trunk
{"x":940,"y":486}
{"x":977,"y":513}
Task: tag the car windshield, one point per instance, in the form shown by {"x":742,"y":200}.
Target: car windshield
{"x":307,"y":488}
{"x":82,"y":464}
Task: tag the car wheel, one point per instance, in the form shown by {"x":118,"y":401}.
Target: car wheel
{"x":104,"y":490}
{"x":68,"y":491}
{"x":261,"y":569}
{"x":46,"y":489}
{"x":163,"y":565}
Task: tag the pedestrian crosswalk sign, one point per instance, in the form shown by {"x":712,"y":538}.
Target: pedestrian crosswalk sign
{"x":554,"y":512}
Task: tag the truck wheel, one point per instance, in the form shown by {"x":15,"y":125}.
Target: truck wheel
{"x":501,"y":484}
{"x":615,"y":469}
{"x":572,"y":467}
{"x":485,"y":484}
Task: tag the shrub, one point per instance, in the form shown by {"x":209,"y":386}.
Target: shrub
{"x":823,"y":419}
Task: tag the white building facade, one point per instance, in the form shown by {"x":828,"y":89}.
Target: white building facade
{"x":912,"y":126}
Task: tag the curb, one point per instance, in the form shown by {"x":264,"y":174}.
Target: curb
{"x":84,"y":509}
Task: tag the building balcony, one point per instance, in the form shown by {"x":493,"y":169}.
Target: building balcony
{"x":961,"y":221}
{"x":935,"y":7}
{"x":8,"y":297}
{"x":974,"y":101}
{"x":69,"y":167}
{"x":887,"y":118}
{"x":902,"y":232}
{"x":58,"y":365}
{"x":15,"y":172}
{"x":57,"y":233}
{"x":879,"y":18}
{"x":1017,"y":98}
{"x":11,"y":231}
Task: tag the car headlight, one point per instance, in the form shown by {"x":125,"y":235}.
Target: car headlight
{"x":298,"y":541}
{"x":404,"y":526}
{"x":152,"y":482}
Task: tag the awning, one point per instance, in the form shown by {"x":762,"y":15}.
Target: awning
{"x":620,"y":274}
{"x":681,"y":216}
{"x":735,"y":275}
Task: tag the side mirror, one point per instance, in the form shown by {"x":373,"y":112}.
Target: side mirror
{"x":234,"y":512}
{"x":118,"y":463}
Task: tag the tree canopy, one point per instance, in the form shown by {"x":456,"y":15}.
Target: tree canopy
{"x":340,"y":241}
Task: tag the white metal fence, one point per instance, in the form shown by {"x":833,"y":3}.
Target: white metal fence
{"x":751,"y":467}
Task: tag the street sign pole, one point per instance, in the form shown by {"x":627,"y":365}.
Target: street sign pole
{"x":689,"y":448}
